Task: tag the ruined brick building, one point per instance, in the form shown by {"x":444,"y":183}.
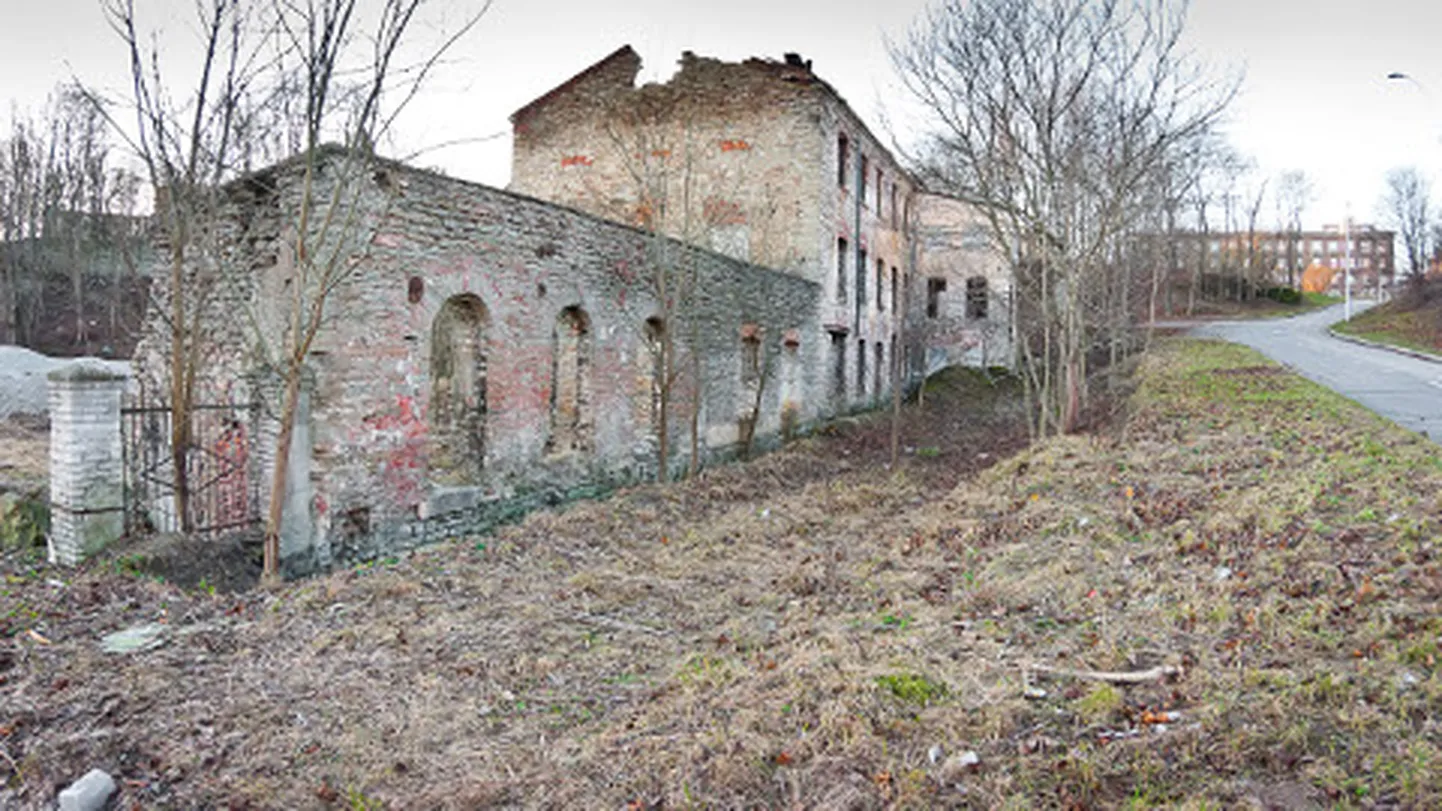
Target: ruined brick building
{"x":498,"y":350}
{"x":764,"y":161}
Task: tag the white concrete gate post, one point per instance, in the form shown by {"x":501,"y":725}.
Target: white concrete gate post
{"x":87,"y":507}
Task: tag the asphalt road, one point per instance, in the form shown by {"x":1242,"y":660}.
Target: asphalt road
{"x":1404,"y":389}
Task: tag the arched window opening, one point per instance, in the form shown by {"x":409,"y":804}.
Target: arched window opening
{"x":656,"y":372}
{"x":571,"y":420}
{"x":458,"y":390}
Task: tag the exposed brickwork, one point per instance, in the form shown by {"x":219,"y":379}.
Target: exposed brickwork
{"x":786,"y":176}
{"x":493,"y":351}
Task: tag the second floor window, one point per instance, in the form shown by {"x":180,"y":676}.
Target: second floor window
{"x":976,"y":298}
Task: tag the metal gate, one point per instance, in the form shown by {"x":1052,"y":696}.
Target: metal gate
{"x":219,"y":489}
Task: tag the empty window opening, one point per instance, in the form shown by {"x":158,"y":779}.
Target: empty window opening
{"x":790,"y":384}
{"x":865,"y":169}
{"x":842,"y":251}
{"x":976,"y":298}
{"x":655,"y":371}
{"x":879,"y":176}
{"x":877,"y":367}
{"x":895,"y":302}
{"x":458,"y":390}
{"x":750,"y":354}
{"x":861,"y":369}
{"x":860,"y":283}
{"x":893,"y":206}
{"x":838,"y":369}
{"x":934,"y":288}
{"x":571,"y":418}
{"x":880,"y":285}
{"x":843,"y":157}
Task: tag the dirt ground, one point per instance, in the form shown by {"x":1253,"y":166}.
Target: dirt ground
{"x":1228,"y":597}
{"x":24,"y":453}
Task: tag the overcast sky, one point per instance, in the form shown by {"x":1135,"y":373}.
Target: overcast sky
{"x":1314,"y":97}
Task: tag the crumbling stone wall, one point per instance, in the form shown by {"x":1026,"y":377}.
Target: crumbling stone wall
{"x":492,"y":353}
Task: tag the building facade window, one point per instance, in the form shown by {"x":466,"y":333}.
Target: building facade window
{"x":843,"y":158}
{"x":571,"y":418}
{"x":877,"y":366}
{"x":750,"y":355}
{"x":861,"y":369}
{"x":895,"y":302}
{"x":880,"y":285}
{"x":458,"y":390}
{"x":838,"y":370}
{"x":934,"y":288}
{"x":860,"y":281}
{"x":976,"y":298}
{"x":865,"y":170}
{"x":655,"y":373}
{"x":842,"y":252}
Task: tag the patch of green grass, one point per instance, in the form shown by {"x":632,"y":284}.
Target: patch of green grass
{"x":1395,"y":325}
{"x":913,"y":688}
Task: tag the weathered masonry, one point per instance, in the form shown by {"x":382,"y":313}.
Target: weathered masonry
{"x":750,"y":272}
{"x":492,"y":353}
{"x":763,"y":160}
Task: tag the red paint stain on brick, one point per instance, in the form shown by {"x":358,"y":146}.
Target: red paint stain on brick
{"x":575,"y":160}
{"x":734,"y":145}
{"x":405,"y":464}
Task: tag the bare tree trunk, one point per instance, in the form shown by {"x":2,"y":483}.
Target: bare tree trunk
{"x":180,"y":392}
{"x":275,"y":512}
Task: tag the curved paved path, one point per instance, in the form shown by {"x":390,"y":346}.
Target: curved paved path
{"x":1404,"y":389}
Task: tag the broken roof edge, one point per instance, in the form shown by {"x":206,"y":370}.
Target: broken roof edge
{"x":625,"y":52}
{"x":790,"y":67}
{"x":380,"y":162}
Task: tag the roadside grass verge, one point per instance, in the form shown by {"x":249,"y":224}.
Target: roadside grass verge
{"x":1397,"y":325}
{"x":1261,"y":308}
{"x":811,"y":630}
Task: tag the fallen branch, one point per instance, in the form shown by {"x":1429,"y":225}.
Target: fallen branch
{"x":618,"y":624}
{"x":1115,"y":677}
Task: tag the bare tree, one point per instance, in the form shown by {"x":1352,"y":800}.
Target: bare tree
{"x":67,"y":211}
{"x":1256,"y":267}
{"x":1294,"y":193}
{"x":1050,"y":117}
{"x":1407,"y":202}
{"x":184,"y":134}
{"x":332,"y":227}
{"x":654,"y":137}
{"x":273,"y":77}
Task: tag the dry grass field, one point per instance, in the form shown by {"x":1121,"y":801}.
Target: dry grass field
{"x":1226,"y":596}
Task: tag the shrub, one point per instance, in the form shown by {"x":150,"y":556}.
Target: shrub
{"x":1284,"y":295}
{"x":24,"y":522}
